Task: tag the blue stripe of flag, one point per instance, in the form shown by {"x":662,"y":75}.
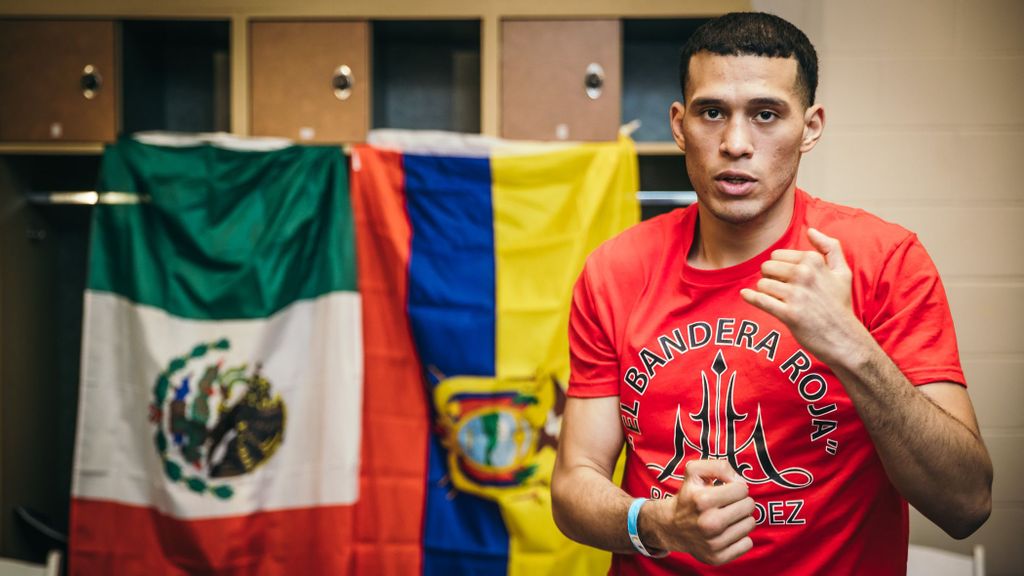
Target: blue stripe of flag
{"x":451,"y":310}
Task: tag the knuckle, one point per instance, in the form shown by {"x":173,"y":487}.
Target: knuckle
{"x":708,"y":525}
{"x":702,"y":500}
{"x":802,"y":272}
{"x":748,"y":525}
{"x":744,"y":491}
{"x":684,"y":505}
{"x":717,"y":559}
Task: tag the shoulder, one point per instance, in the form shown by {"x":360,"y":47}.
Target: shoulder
{"x":620,"y":269}
{"x":864,"y":236}
{"x":641,"y":246}
{"x":888,"y":262}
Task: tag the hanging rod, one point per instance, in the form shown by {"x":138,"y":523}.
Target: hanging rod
{"x":85,"y":197}
{"x":666,"y":197}
{"x":91,"y":197}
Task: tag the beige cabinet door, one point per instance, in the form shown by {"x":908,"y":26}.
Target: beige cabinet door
{"x":544,"y":71}
{"x":58,"y":82}
{"x":294,"y":92}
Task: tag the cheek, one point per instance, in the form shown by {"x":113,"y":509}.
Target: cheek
{"x":699,"y":138}
{"x":699,"y":149}
{"x":784,"y":156}
{"x":697,"y":166}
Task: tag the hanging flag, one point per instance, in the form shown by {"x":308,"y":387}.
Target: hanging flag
{"x":468,"y":250}
{"x":220,"y":409}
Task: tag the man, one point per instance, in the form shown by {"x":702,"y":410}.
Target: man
{"x":783,"y":370}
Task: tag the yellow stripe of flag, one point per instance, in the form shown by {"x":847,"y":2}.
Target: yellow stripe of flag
{"x":552,"y":207}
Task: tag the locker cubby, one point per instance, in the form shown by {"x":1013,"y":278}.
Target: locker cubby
{"x":659,"y":175}
{"x":650,"y":72}
{"x":426,"y":74}
{"x":175,"y":75}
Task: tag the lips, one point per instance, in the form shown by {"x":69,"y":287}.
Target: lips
{"x":735,"y":183}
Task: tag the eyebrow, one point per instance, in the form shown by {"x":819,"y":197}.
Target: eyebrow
{"x":764,"y":101}
{"x":769,"y":102}
{"x":707,"y":102}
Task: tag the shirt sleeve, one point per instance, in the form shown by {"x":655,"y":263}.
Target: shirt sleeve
{"x":912,"y":320}
{"x":593,"y":361}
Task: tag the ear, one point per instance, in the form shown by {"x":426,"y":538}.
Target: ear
{"x":814,"y":125}
{"x":676,"y":113}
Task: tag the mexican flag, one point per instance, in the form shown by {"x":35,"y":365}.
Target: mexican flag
{"x":219,"y":426}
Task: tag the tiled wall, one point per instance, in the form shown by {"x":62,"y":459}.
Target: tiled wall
{"x":924,"y":105}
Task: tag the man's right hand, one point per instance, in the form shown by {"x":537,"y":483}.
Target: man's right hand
{"x":710,"y":517}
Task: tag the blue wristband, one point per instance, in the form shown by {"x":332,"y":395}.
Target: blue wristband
{"x":634,"y":534}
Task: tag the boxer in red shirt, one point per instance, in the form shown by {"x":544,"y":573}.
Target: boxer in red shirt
{"x":783,"y":371}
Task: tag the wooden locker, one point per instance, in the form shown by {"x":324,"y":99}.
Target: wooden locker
{"x":292,"y":66}
{"x":544,"y":66}
{"x":44,"y":72}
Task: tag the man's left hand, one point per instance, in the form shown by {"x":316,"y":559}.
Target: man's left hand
{"x":810,"y":292}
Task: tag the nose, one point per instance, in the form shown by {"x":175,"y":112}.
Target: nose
{"x":736,"y":141}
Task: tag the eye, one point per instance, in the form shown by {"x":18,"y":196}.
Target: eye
{"x":712,"y":114}
{"x":766,"y":116}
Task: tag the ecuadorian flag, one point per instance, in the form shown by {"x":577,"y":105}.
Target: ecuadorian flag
{"x":468,"y":249}
{"x":220,"y":409}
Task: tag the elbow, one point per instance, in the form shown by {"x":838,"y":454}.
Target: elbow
{"x":972,"y":518}
{"x":561,"y":521}
{"x":975,"y":508}
{"x":559,"y":504}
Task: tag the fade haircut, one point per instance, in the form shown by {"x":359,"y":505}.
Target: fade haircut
{"x":755,"y":34}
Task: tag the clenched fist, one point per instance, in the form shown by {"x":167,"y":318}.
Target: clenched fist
{"x":710,"y":517}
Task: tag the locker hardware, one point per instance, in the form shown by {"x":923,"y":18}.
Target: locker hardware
{"x":85,"y":198}
{"x":91,"y":81}
{"x":594,"y":80}
{"x":342,"y":82}
{"x":35,"y":234}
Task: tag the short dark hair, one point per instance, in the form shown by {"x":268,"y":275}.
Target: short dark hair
{"x":754,"y":34}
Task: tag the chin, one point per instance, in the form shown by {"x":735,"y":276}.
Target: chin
{"x":735,"y":212}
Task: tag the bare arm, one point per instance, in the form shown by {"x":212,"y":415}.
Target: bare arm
{"x":928,"y":441}
{"x":587,"y":506}
{"x":710,"y":518}
{"x":927,"y":437}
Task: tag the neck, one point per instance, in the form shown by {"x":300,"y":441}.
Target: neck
{"x":720,"y":244}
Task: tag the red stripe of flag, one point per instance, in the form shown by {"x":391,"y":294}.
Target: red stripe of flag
{"x":389,"y":513}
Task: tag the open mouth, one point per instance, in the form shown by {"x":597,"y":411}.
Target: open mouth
{"x":736,"y":183}
{"x":735,"y":177}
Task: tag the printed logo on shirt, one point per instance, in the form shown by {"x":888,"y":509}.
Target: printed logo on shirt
{"x":726,"y":443}
{"x":726,"y":429}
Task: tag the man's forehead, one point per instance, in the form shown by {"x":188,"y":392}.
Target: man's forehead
{"x":708,"y":71}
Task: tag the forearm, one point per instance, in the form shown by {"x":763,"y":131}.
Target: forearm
{"x":589,"y":508}
{"x":938,"y":463}
{"x":710,"y":516}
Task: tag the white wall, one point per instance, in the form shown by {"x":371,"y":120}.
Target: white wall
{"x":924,"y":105}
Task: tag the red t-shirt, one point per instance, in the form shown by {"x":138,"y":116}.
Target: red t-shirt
{"x":702,"y":374}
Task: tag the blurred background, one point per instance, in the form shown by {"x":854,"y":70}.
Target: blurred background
{"x":925,"y":127}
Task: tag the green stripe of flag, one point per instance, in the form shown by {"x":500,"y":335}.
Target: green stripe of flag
{"x":225,"y":233}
